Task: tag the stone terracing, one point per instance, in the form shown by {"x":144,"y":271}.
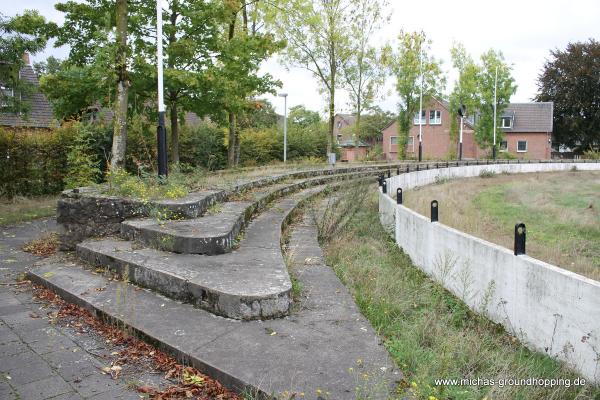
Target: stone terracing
{"x":325,"y":345}
{"x":88,"y":212}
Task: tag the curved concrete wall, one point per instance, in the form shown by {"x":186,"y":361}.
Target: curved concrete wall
{"x":550,"y":309}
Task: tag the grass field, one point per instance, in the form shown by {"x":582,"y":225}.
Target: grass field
{"x":22,"y":209}
{"x":561,"y":211}
{"x":429,"y":333}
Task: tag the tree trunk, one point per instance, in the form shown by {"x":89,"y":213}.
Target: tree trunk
{"x":232,"y":137}
{"x":119,"y":144}
{"x":174,"y":133}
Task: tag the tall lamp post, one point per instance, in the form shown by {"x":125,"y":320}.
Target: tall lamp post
{"x":462,"y":113}
{"x":161,"y":135}
{"x":421,"y":110}
{"x":284,"y":95}
{"x":495,"y":107}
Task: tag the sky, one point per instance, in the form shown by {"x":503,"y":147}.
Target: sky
{"x":524,"y":30}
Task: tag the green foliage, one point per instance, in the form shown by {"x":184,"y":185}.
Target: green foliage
{"x":260,"y":146}
{"x":570,"y":80}
{"x":32,"y":162}
{"x":413,"y":66}
{"x":591,"y":155}
{"x":147,"y":186}
{"x":26,"y":33}
{"x":83,"y":165}
{"x":203,"y":146}
{"x":372,"y":124}
{"x":363,"y":75}
{"x":317,"y":35}
{"x":475,"y":90}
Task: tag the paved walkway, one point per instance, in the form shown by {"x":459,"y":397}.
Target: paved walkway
{"x":39,"y":360}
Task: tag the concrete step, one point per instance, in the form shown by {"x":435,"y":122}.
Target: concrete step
{"x":216,"y":232}
{"x":251,"y":282}
{"x":324,"y":345}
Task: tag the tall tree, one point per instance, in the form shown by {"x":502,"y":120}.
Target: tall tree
{"x":465,"y":87}
{"x":570,"y":79}
{"x":119,"y":143}
{"x":475,"y":89}
{"x":246,"y":42}
{"x":491,"y":62}
{"x":363,"y":73}
{"x":413,"y":66}
{"x":318,"y":37}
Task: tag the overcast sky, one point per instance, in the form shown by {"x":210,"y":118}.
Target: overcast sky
{"x":524,"y":30}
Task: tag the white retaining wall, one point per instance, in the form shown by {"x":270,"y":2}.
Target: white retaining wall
{"x":548,"y":308}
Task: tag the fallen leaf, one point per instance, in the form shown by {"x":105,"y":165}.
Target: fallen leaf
{"x":48,"y":275}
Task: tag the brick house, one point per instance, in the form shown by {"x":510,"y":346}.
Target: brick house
{"x":350,"y":148}
{"x":40,"y":114}
{"x":526,"y":128}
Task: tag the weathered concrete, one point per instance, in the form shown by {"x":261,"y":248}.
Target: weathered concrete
{"x":325,"y":345}
{"x":88,"y":212}
{"x":549,"y":309}
{"x":251,"y":282}
{"x":216,"y":233}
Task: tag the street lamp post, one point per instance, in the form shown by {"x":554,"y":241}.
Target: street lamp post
{"x":495,"y":107}
{"x":461,"y":112}
{"x":284,"y":95}
{"x":421,"y":110}
{"x":161,"y":135}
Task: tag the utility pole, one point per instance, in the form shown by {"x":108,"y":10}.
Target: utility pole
{"x":495,"y":107}
{"x":161,"y":135}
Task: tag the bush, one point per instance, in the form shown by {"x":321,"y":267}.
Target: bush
{"x":202,"y":146}
{"x":33,"y":162}
{"x":591,"y":154}
{"x":84,"y":158}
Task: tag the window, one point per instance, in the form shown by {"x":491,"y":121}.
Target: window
{"x":393,"y":140}
{"x":503,"y":145}
{"x":522,"y":146}
{"x":435,"y":117}
{"x":423,"y":119}
{"x":411,"y":141}
{"x":506,"y":122}
{"x":339,"y":137}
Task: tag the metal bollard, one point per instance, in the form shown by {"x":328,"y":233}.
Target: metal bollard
{"x":399,"y":196}
{"x":434,"y":211}
{"x":389,"y":173}
{"x":384,"y":187}
{"x":397,"y":170}
{"x":417,"y":167}
{"x":520,"y":234}
{"x":407,"y":169}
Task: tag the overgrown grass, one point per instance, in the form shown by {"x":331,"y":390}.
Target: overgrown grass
{"x":429,"y":332}
{"x":561,"y":212}
{"x":22,"y":209}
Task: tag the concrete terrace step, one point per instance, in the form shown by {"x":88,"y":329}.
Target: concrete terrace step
{"x":251,"y":282}
{"x":216,"y":233}
{"x":312,"y":349}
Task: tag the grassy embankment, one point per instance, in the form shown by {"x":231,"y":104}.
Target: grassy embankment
{"x":430,"y":333}
{"x":22,"y":209}
{"x":561,"y":211}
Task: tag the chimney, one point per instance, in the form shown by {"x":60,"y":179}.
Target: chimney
{"x":26,"y":58}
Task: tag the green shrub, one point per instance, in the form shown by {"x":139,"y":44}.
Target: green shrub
{"x":592,"y":154}
{"x":33,"y":162}
{"x":202,"y":146}
{"x":83,"y":159}
{"x":147,"y":186}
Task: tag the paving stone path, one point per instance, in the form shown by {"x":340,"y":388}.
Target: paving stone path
{"x":39,"y":360}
